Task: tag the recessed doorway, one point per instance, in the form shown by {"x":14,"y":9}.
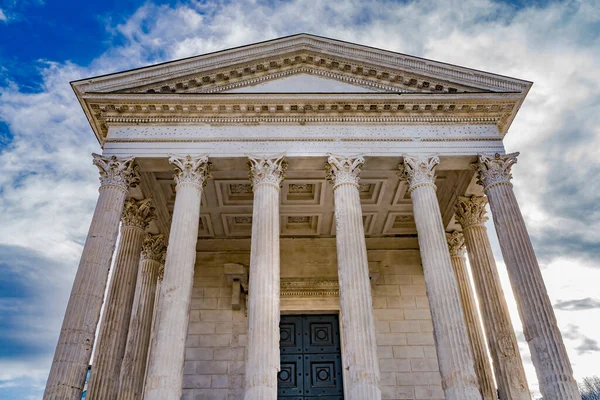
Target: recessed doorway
{"x":311,"y":361}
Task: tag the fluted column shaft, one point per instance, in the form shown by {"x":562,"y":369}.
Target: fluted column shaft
{"x":262,"y":363}
{"x":133,"y":367}
{"x":483,"y":369}
{"x":548,"y":352}
{"x":104,"y":379}
{"x":165,"y":369}
{"x":452,"y":341}
{"x":356,"y":303}
{"x":74,"y":349}
{"x":151,"y":345}
{"x":502,"y":342}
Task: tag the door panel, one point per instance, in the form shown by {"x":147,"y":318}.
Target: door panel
{"x":290,"y":380}
{"x":311,"y":366}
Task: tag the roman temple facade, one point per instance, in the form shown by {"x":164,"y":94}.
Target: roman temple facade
{"x":291,"y":220}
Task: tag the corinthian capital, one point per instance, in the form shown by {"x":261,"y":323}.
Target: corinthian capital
{"x":191,"y":170}
{"x":494,"y":170}
{"x":119,"y":172}
{"x":267,"y":170}
{"x":470,"y":211}
{"x":342,"y":169}
{"x":418,"y":171}
{"x":138,"y":213}
{"x":456,"y":244}
{"x":154,"y":248}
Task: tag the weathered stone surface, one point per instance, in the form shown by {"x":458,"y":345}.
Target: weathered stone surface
{"x":502,"y":342}
{"x":133,"y":367}
{"x":356,"y":307}
{"x":483,"y":369}
{"x":165,"y":369}
{"x":548,"y":352}
{"x":262,"y":363}
{"x":108,"y":355}
{"x":74,"y":348}
{"x":453,"y":349}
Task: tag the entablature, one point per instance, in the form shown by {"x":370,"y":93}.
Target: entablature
{"x":301,"y":109}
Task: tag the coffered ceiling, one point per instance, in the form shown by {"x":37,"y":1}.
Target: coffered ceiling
{"x":306,"y":202}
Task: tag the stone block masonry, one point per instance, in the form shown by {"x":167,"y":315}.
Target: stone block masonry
{"x":216,"y":340}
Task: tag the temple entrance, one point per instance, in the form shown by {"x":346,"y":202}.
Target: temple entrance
{"x":311,"y":362}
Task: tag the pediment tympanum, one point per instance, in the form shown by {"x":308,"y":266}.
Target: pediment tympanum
{"x":304,"y":82}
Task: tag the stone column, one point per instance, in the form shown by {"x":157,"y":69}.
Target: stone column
{"x":262,"y":363}
{"x":452,"y":341}
{"x":356,"y":304}
{"x":74,"y":348}
{"x":108,"y":355}
{"x":133,"y":367}
{"x":502,"y":342}
{"x":165,"y":368}
{"x":548,"y":352}
{"x":483,"y":369}
{"x":151,"y":344}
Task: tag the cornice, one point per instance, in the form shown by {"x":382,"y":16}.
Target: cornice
{"x":303,"y":43}
{"x":243,"y":109}
{"x":260,"y":71}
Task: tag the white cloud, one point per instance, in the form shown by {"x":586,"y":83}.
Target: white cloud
{"x":48,"y":186}
{"x":3,"y":16}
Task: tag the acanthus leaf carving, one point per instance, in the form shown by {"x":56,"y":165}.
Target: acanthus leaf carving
{"x":494,"y":169}
{"x":266,"y":170}
{"x":470,"y":211}
{"x":191,"y":170}
{"x":155,"y":248}
{"x":115,"y":171}
{"x":418,"y":171}
{"x":138,"y":213}
{"x":456,"y":244}
{"x":343,"y":169}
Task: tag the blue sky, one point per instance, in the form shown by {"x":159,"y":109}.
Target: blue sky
{"x":48,"y":185}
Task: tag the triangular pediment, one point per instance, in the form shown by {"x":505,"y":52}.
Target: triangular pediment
{"x":258,"y":66}
{"x":293,"y":75}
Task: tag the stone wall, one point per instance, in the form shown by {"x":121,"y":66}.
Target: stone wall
{"x":215,"y":349}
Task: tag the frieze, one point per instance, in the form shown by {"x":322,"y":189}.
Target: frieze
{"x":308,"y":287}
{"x":315,"y":132}
{"x":308,"y":147}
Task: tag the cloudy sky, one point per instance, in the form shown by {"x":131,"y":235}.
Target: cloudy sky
{"x":48,"y":185}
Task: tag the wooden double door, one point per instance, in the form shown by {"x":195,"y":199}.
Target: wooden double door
{"x":311,"y":362}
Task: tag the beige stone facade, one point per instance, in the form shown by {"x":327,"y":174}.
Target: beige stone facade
{"x":217,"y":335}
{"x":305,"y":187}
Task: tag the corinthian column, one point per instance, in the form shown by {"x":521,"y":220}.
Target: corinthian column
{"x":133,"y":367}
{"x":452,"y":341}
{"x":262,"y":363}
{"x":165,"y":368}
{"x":356,"y":303}
{"x":74,"y":348}
{"x":104,"y":380}
{"x":483,"y":369}
{"x":548,"y":352}
{"x":510,"y":376}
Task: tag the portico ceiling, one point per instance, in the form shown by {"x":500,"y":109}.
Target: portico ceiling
{"x":306,"y":201}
